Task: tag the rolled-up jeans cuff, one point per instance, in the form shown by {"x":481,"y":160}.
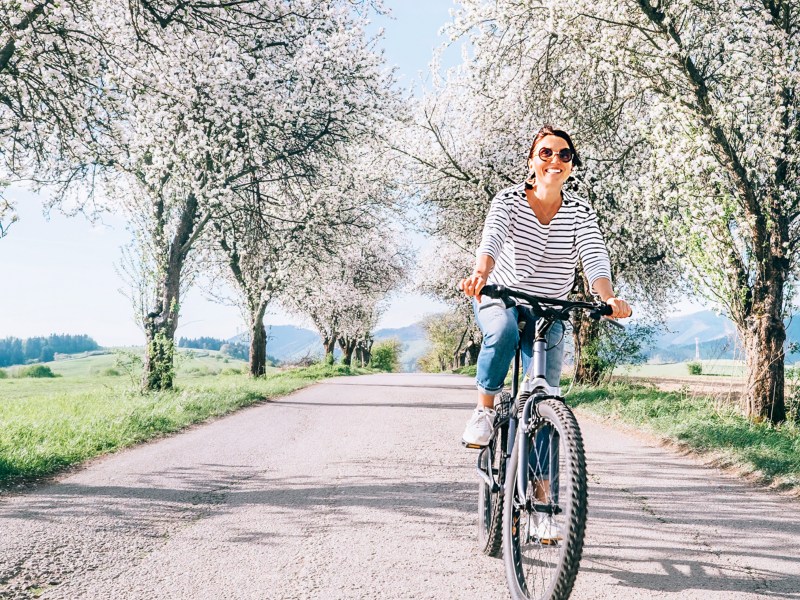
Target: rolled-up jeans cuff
{"x":488,"y":392}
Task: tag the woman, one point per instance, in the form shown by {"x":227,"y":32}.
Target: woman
{"x":533,"y":237}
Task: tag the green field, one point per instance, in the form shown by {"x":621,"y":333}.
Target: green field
{"x":49,"y":424}
{"x":715,"y":368}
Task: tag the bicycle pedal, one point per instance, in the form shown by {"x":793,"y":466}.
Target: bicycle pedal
{"x":472,"y":446}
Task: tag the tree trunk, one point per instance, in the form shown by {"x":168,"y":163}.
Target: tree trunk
{"x":764,"y":335}
{"x":348,"y":346}
{"x":764,"y":341}
{"x":258,"y":342}
{"x":159,"y":365}
{"x":364,"y":351}
{"x":472,"y":352}
{"x":586,"y":338}
{"x":329,"y":345}
{"x":161,"y":323}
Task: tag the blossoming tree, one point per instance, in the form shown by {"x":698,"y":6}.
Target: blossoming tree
{"x":345,"y":296}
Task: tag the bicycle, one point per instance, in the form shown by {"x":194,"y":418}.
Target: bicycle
{"x":533,"y":492}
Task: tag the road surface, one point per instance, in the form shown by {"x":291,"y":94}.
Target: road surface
{"x":359,"y":488}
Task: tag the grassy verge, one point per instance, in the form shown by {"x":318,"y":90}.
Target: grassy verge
{"x":701,"y":424}
{"x":47,"y":425}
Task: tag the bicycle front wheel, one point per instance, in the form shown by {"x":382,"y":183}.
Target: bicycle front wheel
{"x":544,"y":525}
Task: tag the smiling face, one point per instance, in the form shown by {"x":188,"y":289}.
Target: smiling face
{"x":551,"y":171}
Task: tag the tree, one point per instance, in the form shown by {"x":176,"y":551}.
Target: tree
{"x":285,"y":87}
{"x":444,"y":332}
{"x":386,"y":355}
{"x":717,"y":142}
{"x":441,"y":267}
{"x":294,"y":226}
{"x":345,"y":296}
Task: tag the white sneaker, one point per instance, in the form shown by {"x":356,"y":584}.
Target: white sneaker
{"x":479,"y":427}
{"x":547,"y":530}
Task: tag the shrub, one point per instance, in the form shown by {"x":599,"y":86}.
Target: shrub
{"x":111,"y":372}
{"x":695,"y":368}
{"x":3,"y":374}
{"x":386,"y":355}
{"x":230,"y":371}
{"x":37,"y":371}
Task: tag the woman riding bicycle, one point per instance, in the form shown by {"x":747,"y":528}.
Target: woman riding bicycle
{"x":533,"y":237}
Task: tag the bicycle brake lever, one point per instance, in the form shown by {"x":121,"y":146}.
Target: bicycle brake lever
{"x":613,"y":322}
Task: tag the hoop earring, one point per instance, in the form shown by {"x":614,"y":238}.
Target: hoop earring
{"x":530,"y":179}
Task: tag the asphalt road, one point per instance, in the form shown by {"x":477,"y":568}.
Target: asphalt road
{"x":359,"y":488}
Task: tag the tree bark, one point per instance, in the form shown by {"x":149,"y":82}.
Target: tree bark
{"x":161,"y":323}
{"x":764,"y":335}
{"x":764,"y":341}
{"x":258,"y":342}
{"x":348,"y":346}
{"x":159,"y":366}
{"x":585,"y":338}
{"x":329,"y":345}
{"x":364,"y":351}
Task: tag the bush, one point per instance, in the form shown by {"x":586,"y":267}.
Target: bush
{"x":3,"y":374}
{"x":695,"y":368}
{"x":111,"y":372}
{"x":37,"y":371}
{"x":386,"y":355}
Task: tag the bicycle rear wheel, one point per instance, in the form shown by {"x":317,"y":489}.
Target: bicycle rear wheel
{"x":544,"y":526}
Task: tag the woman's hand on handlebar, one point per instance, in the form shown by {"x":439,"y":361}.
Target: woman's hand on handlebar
{"x":473,"y":284}
{"x":621,"y":308}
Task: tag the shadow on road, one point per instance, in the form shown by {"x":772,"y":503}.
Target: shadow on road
{"x":664,"y":525}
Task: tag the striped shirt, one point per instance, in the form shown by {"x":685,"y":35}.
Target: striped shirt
{"x":541,"y":259}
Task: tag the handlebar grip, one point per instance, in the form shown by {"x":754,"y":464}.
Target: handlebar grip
{"x":493,"y":290}
{"x":606,"y":310}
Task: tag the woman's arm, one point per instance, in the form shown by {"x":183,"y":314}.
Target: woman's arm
{"x":473,"y":284}
{"x":495,"y":231}
{"x":602,"y":287}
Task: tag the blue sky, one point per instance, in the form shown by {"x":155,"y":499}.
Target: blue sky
{"x":59,"y":274}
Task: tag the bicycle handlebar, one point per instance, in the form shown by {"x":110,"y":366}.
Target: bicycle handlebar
{"x":596,"y":310}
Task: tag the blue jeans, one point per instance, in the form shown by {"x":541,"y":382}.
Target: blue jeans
{"x":500,"y":338}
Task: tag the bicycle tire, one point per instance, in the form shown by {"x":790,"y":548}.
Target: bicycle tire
{"x":490,"y":505}
{"x":537,"y":569}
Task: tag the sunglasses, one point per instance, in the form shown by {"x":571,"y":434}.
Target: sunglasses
{"x":565,"y":154}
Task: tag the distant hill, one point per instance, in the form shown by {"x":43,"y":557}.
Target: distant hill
{"x":288,"y":342}
{"x":414,"y":340}
{"x":717,"y":337}
{"x":715,"y":334}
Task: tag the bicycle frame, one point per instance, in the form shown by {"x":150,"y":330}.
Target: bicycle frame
{"x":529,"y":384}
{"x":533,"y":385}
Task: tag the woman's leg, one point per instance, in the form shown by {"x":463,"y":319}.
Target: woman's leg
{"x":498,"y":325}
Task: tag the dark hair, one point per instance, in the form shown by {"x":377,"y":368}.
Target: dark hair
{"x":548,"y":130}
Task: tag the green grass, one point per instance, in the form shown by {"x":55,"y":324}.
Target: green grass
{"x":701,"y":424}
{"x":470,"y":370}
{"x":47,"y":425}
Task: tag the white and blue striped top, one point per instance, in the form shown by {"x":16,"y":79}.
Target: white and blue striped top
{"x":541,"y":259}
